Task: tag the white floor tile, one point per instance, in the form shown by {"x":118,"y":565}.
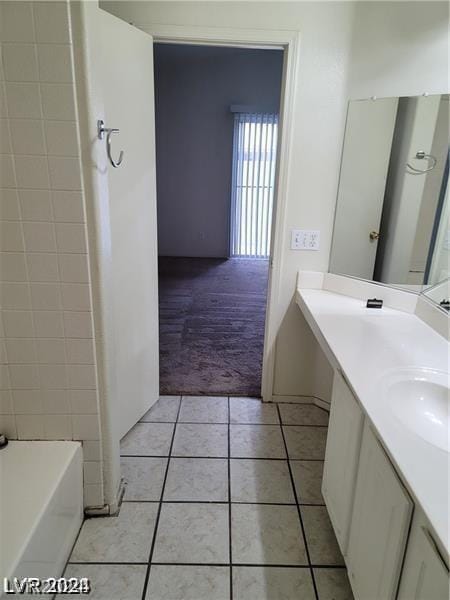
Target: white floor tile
{"x":253,"y":411}
{"x":197,"y":479}
{"x":272,"y":583}
{"x":256,"y":441}
{"x":147,"y":439}
{"x":267,"y":535}
{"x":192,"y":533}
{"x":333,"y":584}
{"x":165,"y":410}
{"x":307,"y":476}
{"x":178,"y":582}
{"x":304,"y":442}
{"x":203,"y":409}
{"x":125,"y":538}
{"x":201,"y":440}
{"x":260,"y":481}
{"x":322,"y":543}
{"x":144,"y":477}
{"x":303,"y":414}
{"x":110,"y":582}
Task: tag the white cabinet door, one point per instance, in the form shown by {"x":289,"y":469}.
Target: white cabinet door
{"x":379,"y":526}
{"x":341,"y":458}
{"x":425,"y":575}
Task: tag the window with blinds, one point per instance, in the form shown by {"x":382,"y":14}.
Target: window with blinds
{"x":254,"y":158}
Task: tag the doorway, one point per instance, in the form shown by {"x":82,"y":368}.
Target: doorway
{"x":216,"y":139}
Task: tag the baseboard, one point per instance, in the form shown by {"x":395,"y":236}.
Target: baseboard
{"x":322,"y":404}
{"x":302,"y":400}
{"x":107,"y":510}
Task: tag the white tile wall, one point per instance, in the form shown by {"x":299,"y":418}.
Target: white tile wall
{"x":48,"y":387}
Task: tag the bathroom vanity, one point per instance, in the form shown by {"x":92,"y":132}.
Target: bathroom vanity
{"x":386,"y":472}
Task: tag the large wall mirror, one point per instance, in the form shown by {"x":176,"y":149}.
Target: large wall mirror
{"x":392,"y":221}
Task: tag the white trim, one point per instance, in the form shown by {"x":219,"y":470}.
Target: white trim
{"x":268,"y":39}
{"x":289,"y":41}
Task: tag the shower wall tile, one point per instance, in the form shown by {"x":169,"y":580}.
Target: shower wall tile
{"x":13,"y":267}
{"x":32,"y":172}
{"x":55,"y":63}
{"x":46,"y":296}
{"x":48,"y":378}
{"x":7,"y":173}
{"x":8,"y":426}
{"x":52,"y":22}
{"x":23,"y":100}
{"x":36,"y":205}
{"x":9,"y":206}
{"x":58,"y":101}
{"x":65,"y":173}
{"x":16,"y":22}
{"x":73,"y":268}
{"x":68,"y":207}
{"x":6,"y":403}
{"x":27,"y":136}
{"x":2,"y":100}
{"x":61,"y":137}
{"x":76,"y":296}
{"x":20,"y":62}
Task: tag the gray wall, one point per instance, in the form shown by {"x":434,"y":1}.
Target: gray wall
{"x":194,"y":88}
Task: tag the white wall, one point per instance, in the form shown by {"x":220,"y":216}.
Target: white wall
{"x":194,"y":88}
{"x":398,"y":49}
{"x":48,"y":379}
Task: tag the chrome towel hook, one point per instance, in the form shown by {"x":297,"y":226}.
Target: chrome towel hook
{"x":421,"y":155}
{"x":101,"y":130}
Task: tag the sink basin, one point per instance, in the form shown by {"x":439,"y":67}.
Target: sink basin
{"x":420,"y":399}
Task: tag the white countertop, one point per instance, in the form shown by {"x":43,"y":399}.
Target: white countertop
{"x":365,"y":344}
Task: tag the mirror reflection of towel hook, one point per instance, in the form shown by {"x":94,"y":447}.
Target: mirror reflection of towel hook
{"x":101,"y":130}
{"x":420,"y":155}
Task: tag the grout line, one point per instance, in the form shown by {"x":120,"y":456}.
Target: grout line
{"x":197,"y":564}
{"x":225,"y":422}
{"x":299,"y":513}
{"x":168,"y":501}
{"x":152,"y":548}
{"x":106,"y":563}
{"x":221,"y":457}
{"x":230,"y":551}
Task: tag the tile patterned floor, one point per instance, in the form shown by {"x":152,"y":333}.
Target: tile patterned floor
{"x":222,"y":502}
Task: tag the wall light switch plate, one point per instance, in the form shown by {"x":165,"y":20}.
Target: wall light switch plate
{"x":305,"y":239}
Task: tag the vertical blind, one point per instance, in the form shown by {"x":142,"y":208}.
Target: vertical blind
{"x":253,"y":177}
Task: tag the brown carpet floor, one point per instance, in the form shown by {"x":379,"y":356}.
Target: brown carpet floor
{"x":212,"y":315}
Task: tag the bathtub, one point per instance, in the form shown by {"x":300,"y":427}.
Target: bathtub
{"x":41,"y":507}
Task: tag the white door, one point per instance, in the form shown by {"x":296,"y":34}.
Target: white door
{"x":341,"y":458}
{"x":379,"y":525}
{"x":365,"y":162}
{"x":121,"y":58}
{"x":425,"y":575}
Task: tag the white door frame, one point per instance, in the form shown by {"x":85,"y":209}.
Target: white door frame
{"x":289,"y":41}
